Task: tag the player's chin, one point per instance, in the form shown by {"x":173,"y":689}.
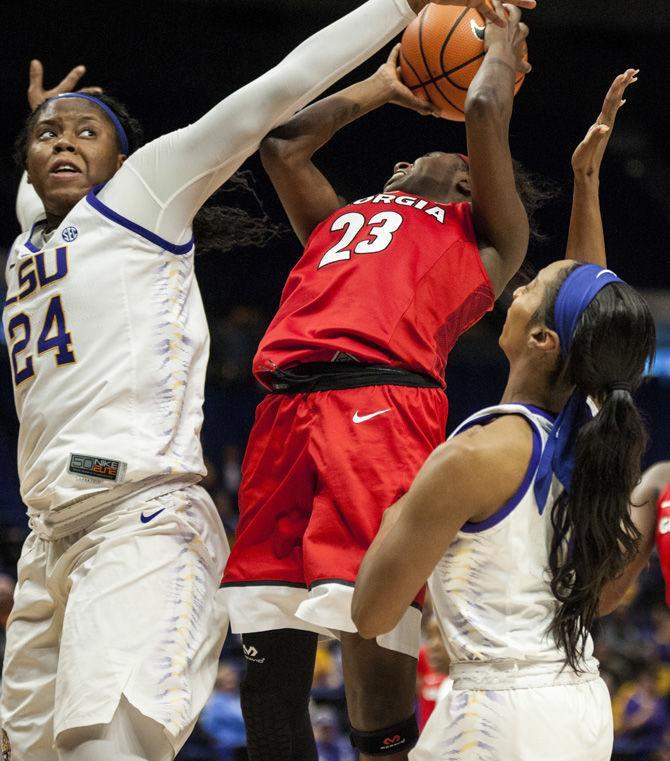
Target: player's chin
{"x":394,"y":183}
{"x":62,"y":198}
{"x":503,"y":338}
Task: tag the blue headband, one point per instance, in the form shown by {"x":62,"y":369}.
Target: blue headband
{"x":120,"y":132}
{"x":581,"y":286}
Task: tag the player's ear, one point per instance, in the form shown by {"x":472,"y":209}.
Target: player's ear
{"x":542,"y":339}
{"x":463,"y":186}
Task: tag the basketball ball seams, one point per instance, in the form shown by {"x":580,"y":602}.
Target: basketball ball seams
{"x":445,"y":75}
{"x":449,"y":36}
{"x":417,"y":49}
{"x":434,"y":81}
{"x":440,"y":55}
{"x":422,"y":20}
{"x":421,"y":85}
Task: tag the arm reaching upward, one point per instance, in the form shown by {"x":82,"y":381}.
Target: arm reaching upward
{"x":586,"y":239}
{"x":166,"y":182}
{"x":499,"y":216}
{"x":163,"y":184}
{"x":307,"y":196}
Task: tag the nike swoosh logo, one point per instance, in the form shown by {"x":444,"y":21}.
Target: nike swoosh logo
{"x":362,"y":418}
{"x":665,"y":503}
{"x":478,"y":31}
{"x":146,"y":518}
{"x":600,"y":274}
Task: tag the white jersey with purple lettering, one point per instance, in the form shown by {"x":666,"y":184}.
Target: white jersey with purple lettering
{"x":109,"y":344}
{"x":104,"y":322}
{"x":118,"y":583}
{"x":513,"y":696}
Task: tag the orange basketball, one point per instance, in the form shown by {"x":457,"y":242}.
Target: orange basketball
{"x":441,"y":51}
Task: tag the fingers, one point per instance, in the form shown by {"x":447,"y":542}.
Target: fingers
{"x":513,"y":13}
{"x":91,"y":90}
{"x":493,"y":11}
{"x":522,"y":50}
{"x":614,"y":98}
{"x":36,"y":74}
{"x":589,"y":153}
{"x":68,"y":82}
{"x":394,"y":55}
{"x":420,"y":104}
{"x":595,"y":134}
{"x":499,"y":14}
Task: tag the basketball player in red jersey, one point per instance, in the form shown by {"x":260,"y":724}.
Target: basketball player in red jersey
{"x":355,"y":360}
{"x":654,"y":490}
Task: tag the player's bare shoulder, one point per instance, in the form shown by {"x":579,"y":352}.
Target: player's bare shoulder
{"x":485,"y":464}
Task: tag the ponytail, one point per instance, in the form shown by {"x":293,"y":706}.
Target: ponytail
{"x":594,"y":537}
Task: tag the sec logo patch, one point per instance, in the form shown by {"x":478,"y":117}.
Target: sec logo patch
{"x":69,"y":234}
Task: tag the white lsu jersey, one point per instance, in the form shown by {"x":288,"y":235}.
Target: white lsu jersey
{"x":108,"y":343}
{"x":491,"y":589}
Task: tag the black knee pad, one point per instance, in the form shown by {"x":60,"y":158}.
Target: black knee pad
{"x":275,"y":695}
{"x":401,"y":736}
{"x":280,"y":661}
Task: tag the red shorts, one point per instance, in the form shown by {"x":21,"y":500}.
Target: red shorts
{"x":319,"y":471}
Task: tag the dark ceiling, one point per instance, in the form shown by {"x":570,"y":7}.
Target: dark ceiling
{"x":172,"y":59}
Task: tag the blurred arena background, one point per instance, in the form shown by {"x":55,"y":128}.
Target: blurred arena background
{"x":170,"y":60}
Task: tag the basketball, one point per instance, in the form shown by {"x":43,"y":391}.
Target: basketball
{"x":441,"y":51}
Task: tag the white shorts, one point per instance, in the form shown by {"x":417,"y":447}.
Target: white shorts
{"x":325,"y":610}
{"x":130,"y":606}
{"x":568,"y":722}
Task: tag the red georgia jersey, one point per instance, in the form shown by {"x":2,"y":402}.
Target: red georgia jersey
{"x":663,"y":537}
{"x":391,"y":279}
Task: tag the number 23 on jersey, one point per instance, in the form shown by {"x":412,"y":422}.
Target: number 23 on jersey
{"x":361,"y":235}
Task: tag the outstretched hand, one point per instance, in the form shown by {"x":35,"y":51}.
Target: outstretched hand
{"x":488,"y":9}
{"x":514,"y":33}
{"x":37,"y":94}
{"x":399,"y":93}
{"x":588,"y":156}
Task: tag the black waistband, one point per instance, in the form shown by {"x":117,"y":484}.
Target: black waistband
{"x":333,"y":376}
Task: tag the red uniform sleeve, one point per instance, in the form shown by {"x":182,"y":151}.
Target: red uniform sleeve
{"x":663,"y":538}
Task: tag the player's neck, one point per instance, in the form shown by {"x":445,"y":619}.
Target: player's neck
{"x":525,"y":387}
{"x":433,"y":191}
{"x":53,"y":221}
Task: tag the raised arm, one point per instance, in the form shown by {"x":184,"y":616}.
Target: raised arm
{"x":307,"y":196}
{"x":162,"y":185}
{"x":175,"y":174}
{"x":499,"y":216}
{"x":586,"y":239}
{"x":416,"y":531}
{"x":643,"y":511}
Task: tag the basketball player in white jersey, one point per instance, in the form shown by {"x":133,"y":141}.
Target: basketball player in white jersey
{"x":523,"y":534}
{"x":113,"y":641}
